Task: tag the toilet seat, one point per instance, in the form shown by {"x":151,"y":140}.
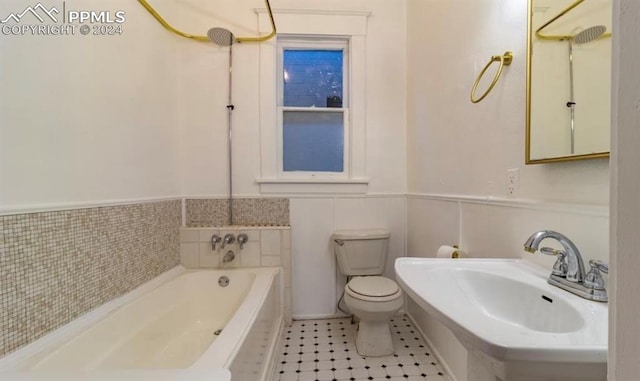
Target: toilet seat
{"x":373,"y":289}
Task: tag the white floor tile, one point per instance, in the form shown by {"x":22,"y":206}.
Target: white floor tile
{"x":318,"y":350}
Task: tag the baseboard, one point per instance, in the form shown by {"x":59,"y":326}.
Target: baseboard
{"x":444,"y":364}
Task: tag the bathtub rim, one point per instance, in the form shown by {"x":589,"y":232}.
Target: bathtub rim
{"x":32,"y":353}
{"x":240,"y":323}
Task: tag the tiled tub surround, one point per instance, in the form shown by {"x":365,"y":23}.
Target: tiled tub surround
{"x":246,"y":211}
{"x":56,"y":266}
{"x":267,"y":247}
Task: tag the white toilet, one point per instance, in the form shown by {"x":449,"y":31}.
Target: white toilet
{"x":374,"y":299}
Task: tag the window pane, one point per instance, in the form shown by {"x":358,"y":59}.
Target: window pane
{"x":312,"y":78}
{"x":313,"y":141}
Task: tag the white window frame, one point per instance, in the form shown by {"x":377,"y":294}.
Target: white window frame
{"x":297,"y":43}
{"x":316,"y":26}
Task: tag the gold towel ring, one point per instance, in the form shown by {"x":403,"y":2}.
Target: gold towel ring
{"x":504,"y":59}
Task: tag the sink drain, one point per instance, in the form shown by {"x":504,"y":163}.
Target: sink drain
{"x":223,"y":281}
{"x":217,"y":332}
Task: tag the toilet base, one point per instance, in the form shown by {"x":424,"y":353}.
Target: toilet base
{"x":374,"y":338}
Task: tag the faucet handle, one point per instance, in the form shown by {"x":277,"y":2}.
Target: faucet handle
{"x":552,"y":251}
{"x":215,"y":239}
{"x":560,"y":268}
{"x":598,"y":264}
{"x":228,"y":240}
{"x":242,"y":239}
{"x":594,"y":279}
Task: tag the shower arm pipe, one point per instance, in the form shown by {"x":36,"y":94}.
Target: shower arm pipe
{"x":572,"y":102}
{"x":170,"y":28}
{"x":559,"y":15}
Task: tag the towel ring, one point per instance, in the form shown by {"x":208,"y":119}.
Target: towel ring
{"x":504,"y":59}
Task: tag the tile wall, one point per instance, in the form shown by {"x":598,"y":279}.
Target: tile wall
{"x":267,"y":247}
{"x":56,"y":266}
{"x":246,"y":211}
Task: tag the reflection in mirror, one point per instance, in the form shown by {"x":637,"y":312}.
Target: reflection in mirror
{"x":569,"y":76}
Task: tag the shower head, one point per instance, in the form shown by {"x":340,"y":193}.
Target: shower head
{"x":221,"y":36}
{"x":589,"y":34}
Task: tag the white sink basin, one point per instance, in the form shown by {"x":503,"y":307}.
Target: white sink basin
{"x":506,"y":309}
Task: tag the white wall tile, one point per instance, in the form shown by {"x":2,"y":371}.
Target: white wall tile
{"x":253,"y":234}
{"x":270,"y":242}
{"x":271,"y":261}
{"x":189,"y":235}
{"x":286,"y":264}
{"x":286,"y":239}
{"x":208,"y":258}
{"x":250,"y":254}
{"x":190,"y":254}
{"x":430,"y":225}
{"x":205,"y":234}
{"x":314,"y":270}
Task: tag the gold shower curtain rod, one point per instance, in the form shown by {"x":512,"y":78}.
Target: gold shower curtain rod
{"x":562,"y":37}
{"x":170,"y":28}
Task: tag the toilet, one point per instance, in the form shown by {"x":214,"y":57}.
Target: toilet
{"x":374,"y":299}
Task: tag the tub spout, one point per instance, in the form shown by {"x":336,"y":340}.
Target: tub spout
{"x":230,"y":256}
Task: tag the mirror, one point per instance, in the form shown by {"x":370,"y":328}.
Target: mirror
{"x":568,"y":80}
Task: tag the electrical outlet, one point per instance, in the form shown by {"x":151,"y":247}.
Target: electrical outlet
{"x":513,"y":178}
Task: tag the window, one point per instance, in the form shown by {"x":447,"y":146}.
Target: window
{"x":313,"y":103}
{"x":313,"y":117}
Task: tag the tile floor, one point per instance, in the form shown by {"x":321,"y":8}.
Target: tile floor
{"x":326,"y":350}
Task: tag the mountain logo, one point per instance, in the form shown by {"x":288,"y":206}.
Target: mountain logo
{"x":39,"y":11}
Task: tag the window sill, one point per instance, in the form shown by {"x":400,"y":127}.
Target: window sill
{"x":313,"y":186}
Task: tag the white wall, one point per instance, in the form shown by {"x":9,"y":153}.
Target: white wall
{"x":459,"y":152}
{"x":456,"y":147}
{"x":143,"y":115}
{"x":624,"y":336}
{"x":317,"y":283}
{"x":203,"y":97}
{"x":202,"y":76}
{"x":87,"y":118}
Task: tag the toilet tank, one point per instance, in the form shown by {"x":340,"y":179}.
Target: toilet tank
{"x":361,"y":252}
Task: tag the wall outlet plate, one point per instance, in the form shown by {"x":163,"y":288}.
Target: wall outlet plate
{"x":513,"y":178}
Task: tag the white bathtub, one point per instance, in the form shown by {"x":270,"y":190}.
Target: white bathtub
{"x":168,"y":324}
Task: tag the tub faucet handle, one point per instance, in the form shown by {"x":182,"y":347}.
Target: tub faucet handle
{"x":228,"y":240}
{"x":215,"y":239}
{"x":242,"y":239}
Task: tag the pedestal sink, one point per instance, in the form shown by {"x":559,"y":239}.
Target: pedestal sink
{"x":514,"y":324}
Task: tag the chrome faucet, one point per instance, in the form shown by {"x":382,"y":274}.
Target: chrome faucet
{"x":228,"y":257}
{"x":228,"y":240}
{"x":568,"y":271}
{"x":242,"y":239}
{"x":575,"y":264}
{"x":215,"y":239}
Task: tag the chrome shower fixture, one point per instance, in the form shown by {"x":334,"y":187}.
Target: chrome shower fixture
{"x":221,"y":36}
{"x":589,"y":34}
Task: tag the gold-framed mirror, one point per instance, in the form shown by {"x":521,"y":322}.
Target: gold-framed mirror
{"x":568,"y":80}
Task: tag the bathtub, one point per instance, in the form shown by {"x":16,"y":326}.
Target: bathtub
{"x":183,"y":325}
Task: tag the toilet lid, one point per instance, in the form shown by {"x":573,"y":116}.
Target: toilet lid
{"x":375,"y":286}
